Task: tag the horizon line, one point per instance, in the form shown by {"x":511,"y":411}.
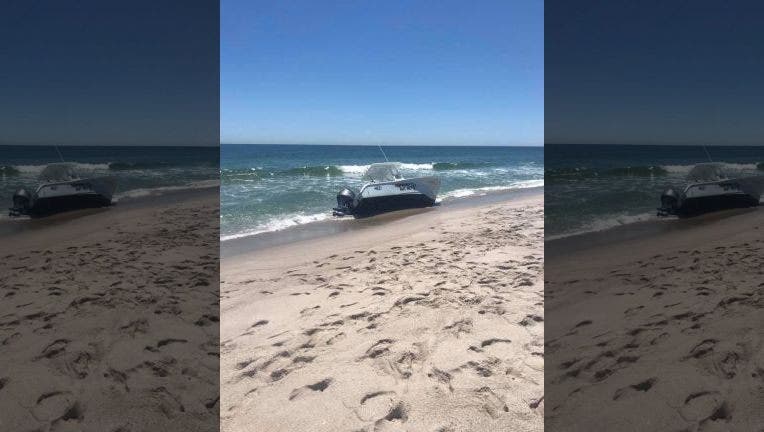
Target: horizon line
{"x":390,"y":145}
{"x":110,"y":145}
{"x":664,"y":144}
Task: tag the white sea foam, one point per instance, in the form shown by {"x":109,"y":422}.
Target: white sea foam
{"x":684,"y":169}
{"x":36,"y":169}
{"x":608,"y":222}
{"x":279,"y":223}
{"x":522,"y":184}
{"x":360,"y":169}
{"x":416,"y":167}
{"x":139,"y":193}
{"x":353,"y":169}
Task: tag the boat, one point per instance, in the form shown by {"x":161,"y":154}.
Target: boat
{"x":386,"y":190}
{"x":708,"y":189}
{"x":61,"y":189}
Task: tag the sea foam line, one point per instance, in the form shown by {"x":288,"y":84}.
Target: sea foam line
{"x":607,"y":222}
{"x":683,"y":169}
{"x":36,"y":169}
{"x":283,"y":222}
{"x":144,"y":192}
{"x":462,"y":193}
{"x":280,"y":223}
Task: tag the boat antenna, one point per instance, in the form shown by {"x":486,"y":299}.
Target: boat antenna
{"x":707,"y":154}
{"x":383,"y":153}
{"x":59,"y":153}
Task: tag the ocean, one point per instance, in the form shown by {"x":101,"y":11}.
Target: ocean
{"x":140,"y":171}
{"x":597,"y":187}
{"x":267,"y":188}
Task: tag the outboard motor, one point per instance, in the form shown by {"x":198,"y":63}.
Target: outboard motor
{"x":345,"y":202}
{"x":669,"y":203}
{"x":22,"y":200}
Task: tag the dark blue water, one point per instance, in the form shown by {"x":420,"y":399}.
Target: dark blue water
{"x":272,"y":187}
{"x":595,"y":187}
{"x":139,"y":170}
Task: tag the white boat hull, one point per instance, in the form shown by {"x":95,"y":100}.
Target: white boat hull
{"x":381,"y":197}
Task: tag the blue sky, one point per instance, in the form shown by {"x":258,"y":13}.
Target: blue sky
{"x":95,"y":72}
{"x":654,"y":72}
{"x":389,"y":72}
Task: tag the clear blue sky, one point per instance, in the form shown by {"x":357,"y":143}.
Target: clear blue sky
{"x":655,"y":72}
{"x":96,"y":72}
{"x":392,"y":72}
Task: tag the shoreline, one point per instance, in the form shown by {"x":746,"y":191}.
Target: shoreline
{"x":10,"y":227}
{"x":640,"y":232}
{"x":112,"y":314}
{"x":432,"y":322}
{"x":662,"y":320}
{"x":237,"y":246}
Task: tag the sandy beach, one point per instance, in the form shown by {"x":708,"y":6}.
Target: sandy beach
{"x":109,"y":319}
{"x":431,"y":322}
{"x":660,"y":331}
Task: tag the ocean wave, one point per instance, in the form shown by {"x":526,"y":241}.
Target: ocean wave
{"x":279,"y":223}
{"x":128,"y":166}
{"x":684,"y":169}
{"x":462,"y":193}
{"x":321,"y":171}
{"x":353,"y":169}
{"x":36,"y":169}
{"x":448,"y":166}
{"x":416,"y":166}
{"x":607,"y":222}
{"x":260,"y":173}
{"x":639,"y":171}
{"x":140,"y":193}
{"x":587,"y":173}
{"x":9,"y":170}
{"x":337,"y":170}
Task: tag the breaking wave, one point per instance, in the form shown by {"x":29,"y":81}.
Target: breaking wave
{"x":146,"y":192}
{"x":279,"y":223}
{"x":462,"y":193}
{"x":338,"y":170}
{"x":637,"y":171}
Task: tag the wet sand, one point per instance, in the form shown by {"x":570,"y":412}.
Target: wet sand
{"x":336,"y":226}
{"x":431,"y":322}
{"x":109,"y":318}
{"x":658,"y":330}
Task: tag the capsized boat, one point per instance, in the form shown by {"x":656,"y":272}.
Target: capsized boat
{"x":386,"y":190}
{"x":709,"y":188}
{"x":61,"y":189}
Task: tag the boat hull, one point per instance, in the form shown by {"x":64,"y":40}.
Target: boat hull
{"x":709,"y":196}
{"x":700,"y":205}
{"x":382,"y":204}
{"x":382,"y":197}
{"x":48,"y":206}
{"x":59,"y":197}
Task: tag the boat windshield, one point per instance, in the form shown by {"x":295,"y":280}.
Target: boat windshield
{"x":382,"y":172}
{"x":58,"y":172}
{"x":706,"y":172}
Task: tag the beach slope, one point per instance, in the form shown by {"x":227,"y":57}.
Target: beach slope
{"x":431,"y":322}
{"x":109,"y":319}
{"x":659,"y":332}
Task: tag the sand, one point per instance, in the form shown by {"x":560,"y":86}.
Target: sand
{"x":663,"y":332}
{"x":109,"y":320}
{"x":431,"y":322}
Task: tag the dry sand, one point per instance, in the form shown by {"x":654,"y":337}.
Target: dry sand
{"x":432,"y":322}
{"x":109,"y":321}
{"x":660,"y":333}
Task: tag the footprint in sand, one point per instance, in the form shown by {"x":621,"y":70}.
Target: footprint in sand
{"x":643,"y":386}
{"x":315,"y":387}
